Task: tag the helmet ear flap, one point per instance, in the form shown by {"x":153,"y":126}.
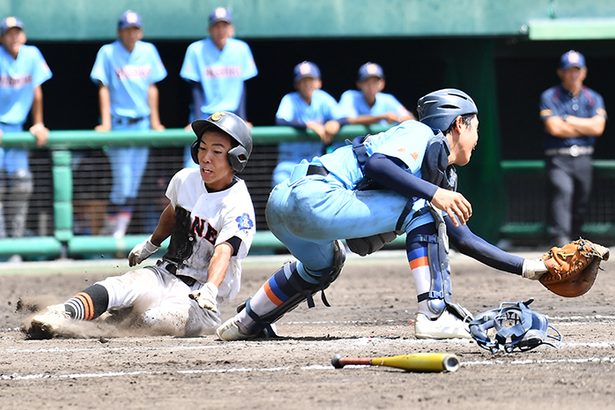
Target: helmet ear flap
{"x":238,"y":158}
{"x":194,"y":150}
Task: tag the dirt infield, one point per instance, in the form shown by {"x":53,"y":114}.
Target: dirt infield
{"x":373,"y":305}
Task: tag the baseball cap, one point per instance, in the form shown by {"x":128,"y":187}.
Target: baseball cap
{"x":370,"y":70}
{"x":220,"y":14}
{"x":570,"y":59}
{"x":9,"y":23}
{"x":306,"y":69}
{"x":129,"y":18}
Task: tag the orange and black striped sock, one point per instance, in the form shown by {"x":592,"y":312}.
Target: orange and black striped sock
{"x":89,"y":303}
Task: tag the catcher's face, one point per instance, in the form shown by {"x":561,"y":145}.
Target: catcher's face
{"x":216,"y":171}
{"x":466,"y":141}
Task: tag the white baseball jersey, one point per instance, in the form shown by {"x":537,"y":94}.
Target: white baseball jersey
{"x":215,"y":218}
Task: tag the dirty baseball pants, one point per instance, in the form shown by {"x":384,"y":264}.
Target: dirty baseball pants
{"x":162,"y":301}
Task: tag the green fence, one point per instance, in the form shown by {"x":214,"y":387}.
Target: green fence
{"x":64,"y":243}
{"x":524,"y":181}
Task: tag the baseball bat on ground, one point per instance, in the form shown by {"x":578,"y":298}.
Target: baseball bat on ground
{"x":416,"y":362}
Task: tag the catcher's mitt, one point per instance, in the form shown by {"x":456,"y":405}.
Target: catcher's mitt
{"x":572,"y":269}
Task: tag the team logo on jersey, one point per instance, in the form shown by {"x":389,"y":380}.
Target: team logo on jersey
{"x":414,"y":155}
{"x":217,"y":116}
{"x":244,"y":222}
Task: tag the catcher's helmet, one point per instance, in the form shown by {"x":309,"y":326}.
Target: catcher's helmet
{"x":440,"y":108}
{"x":232,"y":125}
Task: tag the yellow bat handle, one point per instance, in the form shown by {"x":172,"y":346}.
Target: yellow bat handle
{"x":420,"y":362}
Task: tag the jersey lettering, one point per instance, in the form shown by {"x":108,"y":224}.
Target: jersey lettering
{"x":222,"y":71}
{"x":198,"y":227}
{"x":15,"y":82}
{"x":129,"y":72}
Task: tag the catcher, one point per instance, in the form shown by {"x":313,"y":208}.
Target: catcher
{"x":401,"y":181}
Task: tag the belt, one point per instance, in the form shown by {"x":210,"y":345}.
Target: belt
{"x":171,"y":267}
{"x":573,"y":151}
{"x":317,"y":170}
{"x":128,"y":120}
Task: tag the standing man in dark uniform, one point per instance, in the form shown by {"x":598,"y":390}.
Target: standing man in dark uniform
{"x":574,"y":117}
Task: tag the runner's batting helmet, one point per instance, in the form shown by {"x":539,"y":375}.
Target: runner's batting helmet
{"x":232,"y":125}
{"x":440,"y":108}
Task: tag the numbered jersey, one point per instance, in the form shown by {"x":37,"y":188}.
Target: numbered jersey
{"x":215,"y":217}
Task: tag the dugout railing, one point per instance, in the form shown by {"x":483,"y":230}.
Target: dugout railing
{"x":72,"y":178}
{"x":526,"y":203}
{"x":71,"y":183}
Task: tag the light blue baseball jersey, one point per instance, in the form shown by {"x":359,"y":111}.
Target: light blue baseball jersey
{"x":407,"y":142}
{"x":18,"y":79}
{"x":128,"y":76}
{"x":308,"y":211}
{"x":221,"y":73}
{"x":295,"y":110}
{"x":353,"y":104}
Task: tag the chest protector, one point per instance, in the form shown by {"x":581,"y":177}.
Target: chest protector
{"x":435,"y":167}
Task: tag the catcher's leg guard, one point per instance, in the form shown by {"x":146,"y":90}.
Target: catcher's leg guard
{"x":440,"y":290}
{"x":284,"y":290}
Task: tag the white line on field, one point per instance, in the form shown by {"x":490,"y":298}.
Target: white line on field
{"x":540,"y":361}
{"x":339,"y":344}
{"x":560,"y":320}
{"x":497,"y":362}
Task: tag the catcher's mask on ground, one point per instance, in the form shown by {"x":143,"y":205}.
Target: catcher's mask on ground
{"x":513,"y":326}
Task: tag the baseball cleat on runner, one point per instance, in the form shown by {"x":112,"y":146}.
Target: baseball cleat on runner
{"x":47,"y":323}
{"x":447,"y":326}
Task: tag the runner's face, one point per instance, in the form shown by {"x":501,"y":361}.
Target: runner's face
{"x":216,"y":170}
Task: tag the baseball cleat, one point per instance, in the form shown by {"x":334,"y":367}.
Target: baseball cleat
{"x":48,"y":323}
{"x":230,"y":330}
{"x":447,"y":326}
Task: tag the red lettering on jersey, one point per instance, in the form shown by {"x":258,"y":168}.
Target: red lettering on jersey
{"x":211,"y":234}
{"x":222,"y":71}
{"x":15,"y":82}
{"x":133,"y":72}
{"x":198,"y":227}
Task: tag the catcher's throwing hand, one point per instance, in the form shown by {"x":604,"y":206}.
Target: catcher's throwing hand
{"x":141,"y":252}
{"x":572,"y":269}
{"x":454,"y":204}
{"x":206,"y":297}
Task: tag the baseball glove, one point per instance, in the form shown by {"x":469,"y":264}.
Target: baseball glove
{"x":572,"y":269}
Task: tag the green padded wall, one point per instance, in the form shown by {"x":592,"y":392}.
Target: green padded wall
{"x":75,"y":20}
